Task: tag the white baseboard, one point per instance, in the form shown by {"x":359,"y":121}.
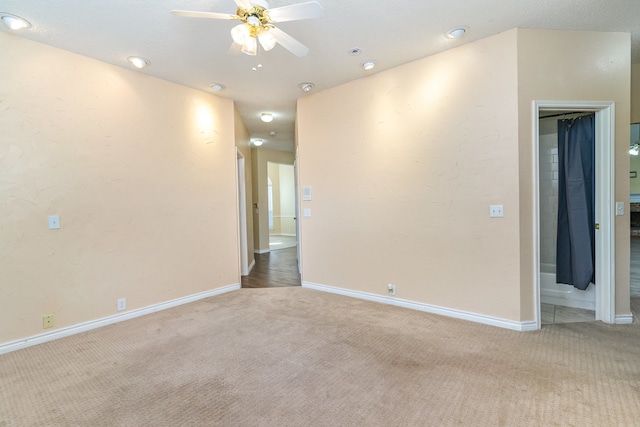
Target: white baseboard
{"x":262,"y":251}
{"x":624,"y":319}
{"x":449,"y":312}
{"x":98,"y":323}
{"x":253,"y":264}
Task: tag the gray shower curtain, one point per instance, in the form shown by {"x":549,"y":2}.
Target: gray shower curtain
{"x":575,"y":256}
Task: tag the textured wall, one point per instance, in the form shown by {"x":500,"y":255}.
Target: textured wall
{"x":141,"y":172}
{"x":404,"y":165}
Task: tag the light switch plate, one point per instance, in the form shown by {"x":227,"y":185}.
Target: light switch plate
{"x":619,"y":208}
{"x":307,"y":212}
{"x":54,"y":222}
{"x":306,"y":193}
{"x":496,"y":211}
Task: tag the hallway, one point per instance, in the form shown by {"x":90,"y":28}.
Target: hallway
{"x":277,"y":268}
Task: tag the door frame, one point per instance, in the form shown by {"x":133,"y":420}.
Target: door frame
{"x":296,"y":186}
{"x":243,"y":256}
{"x":604,"y":205}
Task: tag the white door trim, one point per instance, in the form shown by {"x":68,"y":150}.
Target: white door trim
{"x":242,"y":215}
{"x":297,"y":208}
{"x":605,"y":204}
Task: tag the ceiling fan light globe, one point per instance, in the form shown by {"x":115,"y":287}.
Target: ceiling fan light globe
{"x":267,"y":41}
{"x":240,"y":34}
{"x":250,"y":46}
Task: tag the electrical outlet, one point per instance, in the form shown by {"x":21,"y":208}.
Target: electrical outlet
{"x":391,"y":289}
{"x":47,"y":321}
{"x":122,"y":304}
{"x":54,"y":222}
{"x":496,"y":211}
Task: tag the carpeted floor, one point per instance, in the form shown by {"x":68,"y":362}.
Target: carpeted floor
{"x":297,"y":357}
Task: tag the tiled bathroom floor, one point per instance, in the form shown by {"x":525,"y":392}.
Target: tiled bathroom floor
{"x":558,"y":314}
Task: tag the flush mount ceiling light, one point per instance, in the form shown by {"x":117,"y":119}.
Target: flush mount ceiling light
{"x":258,"y":24}
{"x":306,"y":87}
{"x":257,"y":142}
{"x":217,"y":86}
{"x":266,"y":117}
{"x":14,"y":22}
{"x":138,"y":61}
{"x":456,"y":33}
{"x":369,"y":65}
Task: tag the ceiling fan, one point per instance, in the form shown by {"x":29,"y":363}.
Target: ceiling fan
{"x":258,"y":24}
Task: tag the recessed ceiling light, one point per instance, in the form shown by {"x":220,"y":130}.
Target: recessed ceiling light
{"x":306,"y":87}
{"x":257,"y":142}
{"x":138,"y":61}
{"x":266,"y":117}
{"x":217,"y":86}
{"x":272,"y":133}
{"x":355,"y":51}
{"x":369,"y":65}
{"x":456,"y":33}
{"x":15,"y":22}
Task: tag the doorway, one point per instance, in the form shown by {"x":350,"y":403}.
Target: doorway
{"x":282,"y":206}
{"x":604,"y":189}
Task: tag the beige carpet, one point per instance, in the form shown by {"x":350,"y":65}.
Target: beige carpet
{"x":296,"y":357}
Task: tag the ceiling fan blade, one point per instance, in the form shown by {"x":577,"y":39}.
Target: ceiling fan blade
{"x":245,"y":4}
{"x":194,"y":14}
{"x":288,"y":42}
{"x":308,"y":10}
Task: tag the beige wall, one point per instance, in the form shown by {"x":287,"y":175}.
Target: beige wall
{"x":574,"y":66}
{"x":404,"y":165}
{"x":243,"y":144}
{"x":635,"y":93}
{"x":141,"y":172}
{"x":260,"y":159}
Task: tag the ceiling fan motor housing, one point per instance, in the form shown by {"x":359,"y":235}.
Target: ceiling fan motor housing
{"x":257,"y":16}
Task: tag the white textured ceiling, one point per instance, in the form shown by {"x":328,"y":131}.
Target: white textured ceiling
{"x":193,"y":52}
